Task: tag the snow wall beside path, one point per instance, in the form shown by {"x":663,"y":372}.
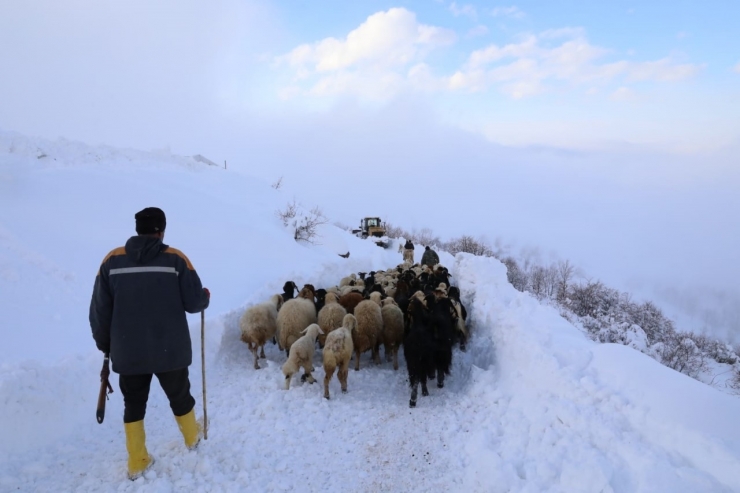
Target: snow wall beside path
{"x":558,"y":412}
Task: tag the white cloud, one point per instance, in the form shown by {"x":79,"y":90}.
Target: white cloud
{"x":388,"y":54}
{"x":466,"y":10}
{"x":555,"y":57}
{"x":479,"y":30}
{"x":737,"y":68}
{"x":378,"y":59}
{"x":512,"y":11}
{"x":389,"y":39}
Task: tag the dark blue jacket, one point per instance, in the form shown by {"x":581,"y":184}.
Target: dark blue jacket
{"x":138,"y":306}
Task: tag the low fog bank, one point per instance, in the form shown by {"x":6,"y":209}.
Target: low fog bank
{"x":655,"y":224}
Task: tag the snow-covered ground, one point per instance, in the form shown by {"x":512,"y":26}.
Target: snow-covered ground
{"x":533,"y":405}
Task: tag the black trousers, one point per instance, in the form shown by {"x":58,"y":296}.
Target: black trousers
{"x":135,"y":390}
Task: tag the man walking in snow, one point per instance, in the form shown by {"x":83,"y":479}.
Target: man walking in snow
{"x":430,"y":257}
{"x":137,"y":314}
{"x":408,"y":252}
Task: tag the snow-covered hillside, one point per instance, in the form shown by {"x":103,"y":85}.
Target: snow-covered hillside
{"x":533,"y":405}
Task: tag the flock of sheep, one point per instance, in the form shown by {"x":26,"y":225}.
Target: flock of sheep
{"x":409,"y":305}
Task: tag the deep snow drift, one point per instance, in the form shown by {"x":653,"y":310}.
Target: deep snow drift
{"x":531,"y":406}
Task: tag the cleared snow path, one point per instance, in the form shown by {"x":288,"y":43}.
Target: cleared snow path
{"x":532,"y":406}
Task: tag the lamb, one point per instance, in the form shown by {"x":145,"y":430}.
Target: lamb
{"x":259,"y":324}
{"x":369,"y":328}
{"x":392,"y":329}
{"x":330,"y":316}
{"x":293,"y":317}
{"x":301,"y":354}
{"x":338,"y":352}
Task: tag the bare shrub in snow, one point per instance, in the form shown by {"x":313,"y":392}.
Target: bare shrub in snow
{"x":393,"y":231}
{"x":680,"y":352}
{"x":278,"y":183}
{"x":289,"y":213}
{"x":468,"y":244}
{"x":516,"y":276}
{"x":306,"y":228}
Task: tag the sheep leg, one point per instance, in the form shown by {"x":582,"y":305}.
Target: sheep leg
{"x":440,"y":379}
{"x":287,"y":382}
{"x":343,"y":373}
{"x":329,"y":372}
{"x":395,"y":357}
{"x":307,"y":369}
{"x":253,"y":350}
{"x":414,"y":382}
{"x":357,"y":360}
{"x":424,"y":390}
{"x":376,"y":354}
{"x":388,"y":351}
{"x":262,"y":351}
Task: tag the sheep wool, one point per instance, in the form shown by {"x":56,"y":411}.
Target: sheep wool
{"x":293,"y":317}
{"x":259,"y":324}
{"x":330,"y":316}
{"x":301,"y":355}
{"x":369,"y":328}
{"x":337,"y":353}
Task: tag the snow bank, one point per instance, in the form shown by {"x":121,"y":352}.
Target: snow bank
{"x":531,"y":406}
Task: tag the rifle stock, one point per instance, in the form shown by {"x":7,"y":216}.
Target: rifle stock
{"x":105,"y":389}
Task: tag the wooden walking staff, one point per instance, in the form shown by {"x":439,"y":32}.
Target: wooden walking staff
{"x":203,"y":367}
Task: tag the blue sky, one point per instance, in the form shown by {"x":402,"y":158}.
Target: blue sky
{"x":580,"y":75}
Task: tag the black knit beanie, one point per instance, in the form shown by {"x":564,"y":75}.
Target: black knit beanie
{"x":150,"y":220}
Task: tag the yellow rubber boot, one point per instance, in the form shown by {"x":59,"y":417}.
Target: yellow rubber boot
{"x":139,"y":459}
{"x":190,"y":429}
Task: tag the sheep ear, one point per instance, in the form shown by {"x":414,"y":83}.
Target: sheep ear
{"x":304,"y":330}
{"x":321,"y":331}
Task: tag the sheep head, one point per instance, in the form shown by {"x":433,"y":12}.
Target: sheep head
{"x":349,"y":322}
{"x":312,"y":331}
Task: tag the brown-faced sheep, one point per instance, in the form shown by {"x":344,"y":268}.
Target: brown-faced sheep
{"x":301,"y":355}
{"x":330,"y":316}
{"x":338,"y":352}
{"x":259,"y":324}
{"x":392,"y":329}
{"x":293,"y":317}
{"x":350,"y":300}
{"x":308,"y":292}
{"x":369,"y":328}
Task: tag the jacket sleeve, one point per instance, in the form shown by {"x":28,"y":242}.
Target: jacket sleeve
{"x":194,"y":298}
{"x":101,"y":310}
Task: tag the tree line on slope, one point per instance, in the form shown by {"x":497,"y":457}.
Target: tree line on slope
{"x":605,"y":314}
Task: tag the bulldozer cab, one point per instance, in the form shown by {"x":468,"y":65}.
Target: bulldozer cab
{"x":371,"y":226}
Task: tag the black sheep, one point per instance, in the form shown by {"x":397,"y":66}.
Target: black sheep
{"x":418,"y":348}
{"x":320,"y":299}
{"x":442,"y":324}
{"x":289,"y":289}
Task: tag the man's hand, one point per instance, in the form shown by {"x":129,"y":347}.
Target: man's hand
{"x":208,"y":293}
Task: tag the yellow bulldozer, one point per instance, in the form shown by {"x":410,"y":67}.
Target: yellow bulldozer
{"x":371,"y":227}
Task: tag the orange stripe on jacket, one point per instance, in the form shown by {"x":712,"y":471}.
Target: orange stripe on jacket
{"x":181,"y":255}
{"x":113,"y":253}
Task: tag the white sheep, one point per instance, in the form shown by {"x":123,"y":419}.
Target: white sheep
{"x":259,"y":324}
{"x":369,"y":328}
{"x":293,"y":317}
{"x":330,"y":316}
{"x":393,"y":325}
{"x":345,"y":280}
{"x":301,"y":354}
{"x":337,"y":353}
